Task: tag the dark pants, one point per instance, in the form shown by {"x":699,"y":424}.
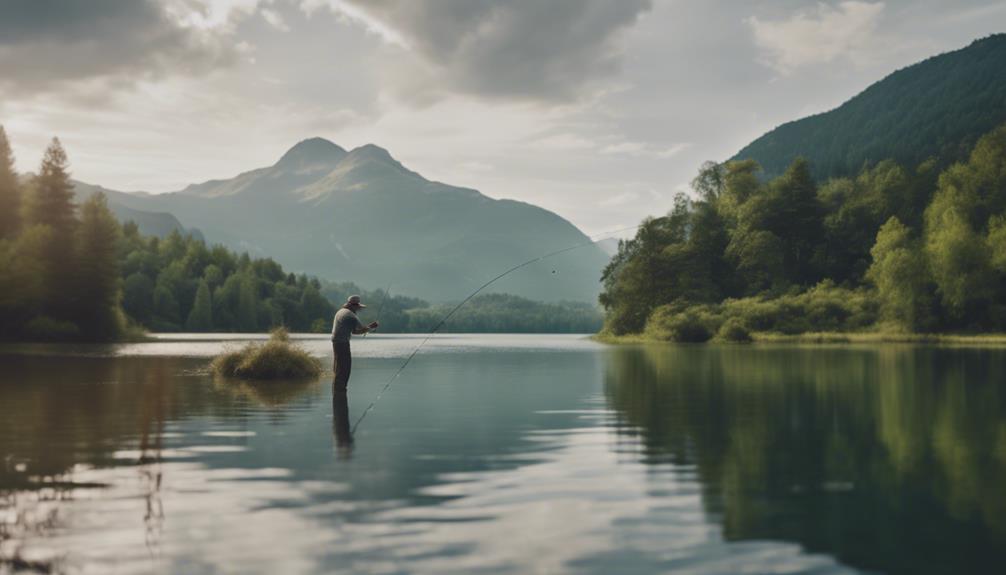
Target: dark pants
{"x":342,"y":365}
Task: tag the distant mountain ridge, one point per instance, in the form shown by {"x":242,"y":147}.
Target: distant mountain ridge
{"x":160,"y":224}
{"x":362,"y":216}
{"x":937,"y":108}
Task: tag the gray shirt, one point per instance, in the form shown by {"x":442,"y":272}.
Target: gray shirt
{"x":343,"y":325}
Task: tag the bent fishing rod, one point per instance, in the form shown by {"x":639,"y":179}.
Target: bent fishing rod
{"x":446,"y":317}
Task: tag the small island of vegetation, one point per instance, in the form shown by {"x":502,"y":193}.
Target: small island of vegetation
{"x":277,"y":358}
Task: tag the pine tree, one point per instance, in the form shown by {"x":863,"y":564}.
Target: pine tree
{"x":98,"y":286}
{"x":52,"y":201}
{"x":10,"y":193}
{"x":51,"y":205}
{"x":201,"y":317}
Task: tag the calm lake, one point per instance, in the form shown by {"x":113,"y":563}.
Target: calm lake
{"x":506,"y":454}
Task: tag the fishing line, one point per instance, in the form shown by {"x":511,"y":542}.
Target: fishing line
{"x":443,"y":321}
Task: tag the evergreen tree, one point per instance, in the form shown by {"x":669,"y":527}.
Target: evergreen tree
{"x":201,"y":317}
{"x":52,"y":198}
{"x":99,"y":316}
{"x":10,"y":193}
{"x":51,"y":204}
{"x":797,"y":220}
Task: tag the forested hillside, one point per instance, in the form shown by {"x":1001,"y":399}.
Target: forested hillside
{"x":935,"y":109}
{"x":896,"y":247}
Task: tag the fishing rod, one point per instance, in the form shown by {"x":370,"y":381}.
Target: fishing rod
{"x":443,"y":321}
{"x":384,"y":300}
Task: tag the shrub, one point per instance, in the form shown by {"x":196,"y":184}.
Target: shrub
{"x":692,"y":325}
{"x":733,"y":331}
{"x":275,"y":359}
{"x":45,"y":328}
{"x":825,"y":307}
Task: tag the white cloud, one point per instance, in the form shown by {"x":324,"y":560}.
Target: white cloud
{"x":641,"y":149}
{"x":349,"y":13}
{"x":815,"y":36}
{"x":274,"y":19}
{"x":618,"y":199}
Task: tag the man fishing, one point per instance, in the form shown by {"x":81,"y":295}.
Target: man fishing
{"x":344,"y":326}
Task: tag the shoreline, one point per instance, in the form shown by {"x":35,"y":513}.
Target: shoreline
{"x":987,"y":339}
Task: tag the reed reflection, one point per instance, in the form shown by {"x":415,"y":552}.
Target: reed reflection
{"x":870,"y":455}
{"x":269,"y":393}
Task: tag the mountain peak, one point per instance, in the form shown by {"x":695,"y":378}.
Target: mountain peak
{"x":313,"y":151}
{"x":371,"y":151}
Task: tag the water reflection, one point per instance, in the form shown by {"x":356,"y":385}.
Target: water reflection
{"x":272,"y":394}
{"x":510,"y":457}
{"x":892,"y":458}
{"x":340,"y":422}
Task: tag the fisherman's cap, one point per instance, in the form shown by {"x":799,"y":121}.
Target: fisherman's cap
{"x":354,"y":300}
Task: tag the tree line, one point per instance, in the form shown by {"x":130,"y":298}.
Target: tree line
{"x":893,"y":248}
{"x":485,"y":313}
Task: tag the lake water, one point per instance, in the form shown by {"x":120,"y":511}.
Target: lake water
{"x":506,"y":454}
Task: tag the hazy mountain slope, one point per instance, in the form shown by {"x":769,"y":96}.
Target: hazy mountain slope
{"x":362,"y":216}
{"x":937,"y":108}
{"x":158,"y":224}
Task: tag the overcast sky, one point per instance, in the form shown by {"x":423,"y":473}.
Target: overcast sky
{"x":599,"y":110}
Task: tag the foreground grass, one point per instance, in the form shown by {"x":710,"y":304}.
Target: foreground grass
{"x":274,"y":359}
{"x":834,"y":338}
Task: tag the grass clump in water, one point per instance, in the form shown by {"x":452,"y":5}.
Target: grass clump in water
{"x":277,"y":358}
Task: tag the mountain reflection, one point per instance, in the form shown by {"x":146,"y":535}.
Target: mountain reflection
{"x":888,"y":458}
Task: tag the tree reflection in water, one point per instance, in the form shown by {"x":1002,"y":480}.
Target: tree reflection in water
{"x":890,"y":458}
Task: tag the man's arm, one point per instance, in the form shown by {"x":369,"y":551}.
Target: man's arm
{"x":362,"y":329}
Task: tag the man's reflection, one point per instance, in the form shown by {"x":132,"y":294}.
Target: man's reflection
{"x":340,"y":423}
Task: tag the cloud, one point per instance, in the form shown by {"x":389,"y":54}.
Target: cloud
{"x":817,"y":36}
{"x":610,"y":144}
{"x":524,"y":50}
{"x":53,"y":44}
{"x":642,"y":149}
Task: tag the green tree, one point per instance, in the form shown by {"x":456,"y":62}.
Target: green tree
{"x":98,"y":284}
{"x":970,"y":199}
{"x":201,"y":317}
{"x":21,"y":275}
{"x":51,"y":204}
{"x":138,"y":297}
{"x":956,"y":253}
{"x":10,"y":192}
{"x":247,"y":309}
{"x":51,"y":201}
{"x":166,"y":311}
{"x":899,"y":273}
{"x":797,"y":220}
